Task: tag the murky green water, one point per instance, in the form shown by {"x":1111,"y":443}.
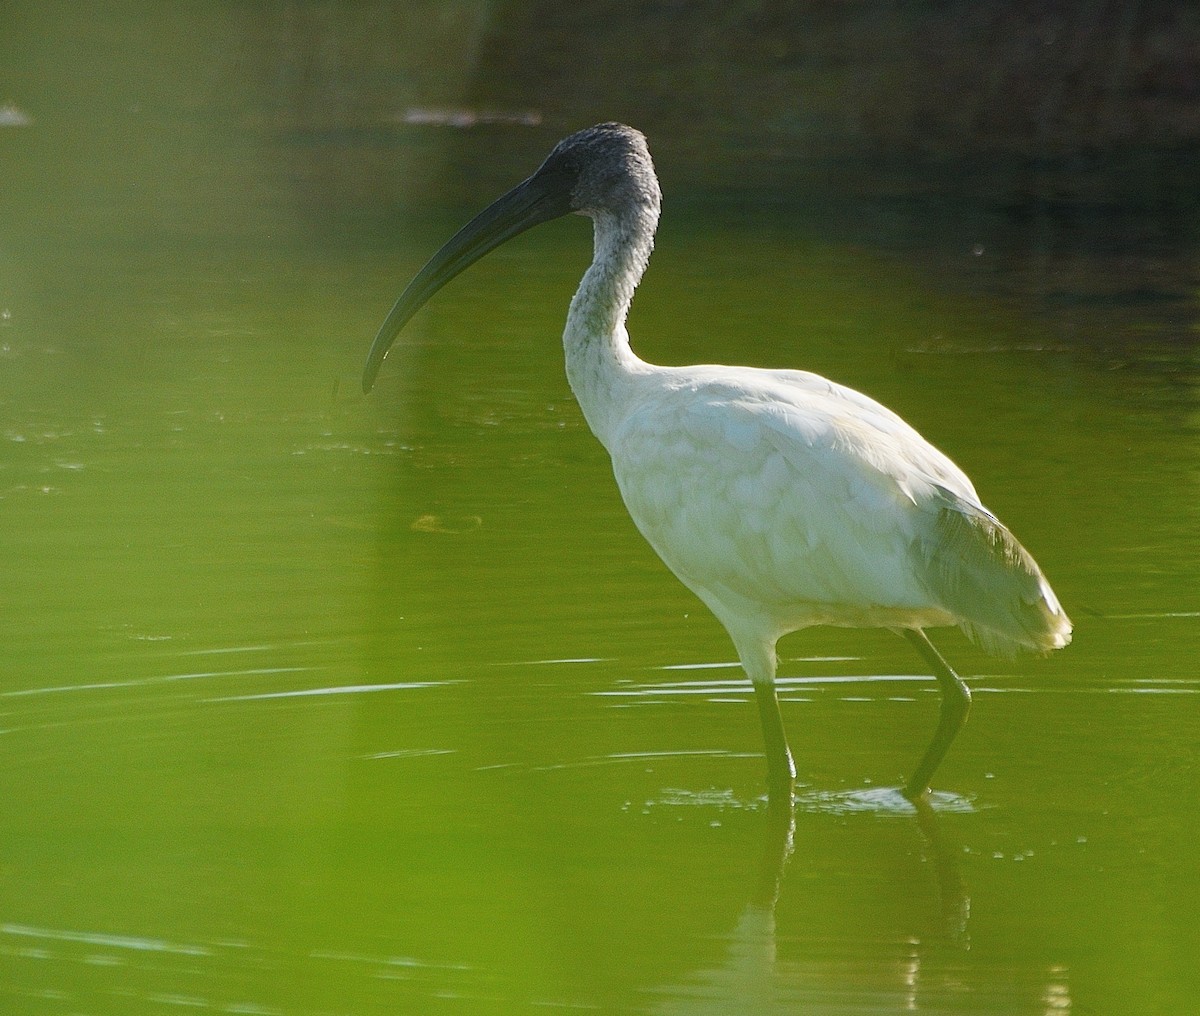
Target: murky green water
{"x":322,"y":704}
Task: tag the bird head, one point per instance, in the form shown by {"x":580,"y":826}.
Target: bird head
{"x":598,"y":170}
{"x":610,"y":168}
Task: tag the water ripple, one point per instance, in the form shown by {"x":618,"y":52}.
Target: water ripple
{"x":878,"y":801}
{"x":337,"y":689}
{"x":137,"y":944}
{"x":147,"y":681}
{"x":743,"y":686}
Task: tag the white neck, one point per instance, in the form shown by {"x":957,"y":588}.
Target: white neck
{"x":600,"y":363}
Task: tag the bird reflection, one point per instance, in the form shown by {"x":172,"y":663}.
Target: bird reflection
{"x":752,"y":980}
{"x":952,"y":890}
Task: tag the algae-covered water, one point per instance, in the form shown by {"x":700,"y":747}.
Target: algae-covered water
{"x":319,"y":703}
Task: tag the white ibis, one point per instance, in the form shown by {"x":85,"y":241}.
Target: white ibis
{"x":782,"y":499}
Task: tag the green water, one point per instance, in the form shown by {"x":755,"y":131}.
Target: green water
{"x":316,"y":703}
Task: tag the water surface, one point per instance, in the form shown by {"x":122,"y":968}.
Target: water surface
{"x":318,"y":703}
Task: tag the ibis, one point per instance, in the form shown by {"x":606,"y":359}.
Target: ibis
{"x":782,"y":499}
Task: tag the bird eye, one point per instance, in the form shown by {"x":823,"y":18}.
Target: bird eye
{"x":565,"y":165}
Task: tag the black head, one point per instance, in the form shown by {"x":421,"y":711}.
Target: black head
{"x":606,"y":167}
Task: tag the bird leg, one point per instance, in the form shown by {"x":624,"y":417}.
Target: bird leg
{"x":956,"y":703}
{"x":781,"y":770}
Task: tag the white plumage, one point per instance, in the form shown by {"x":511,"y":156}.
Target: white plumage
{"x":786,"y":501}
{"x":782,"y":499}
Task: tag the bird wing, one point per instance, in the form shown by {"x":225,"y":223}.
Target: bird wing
{"x":779,"y":488}
{"x":786,"y":493}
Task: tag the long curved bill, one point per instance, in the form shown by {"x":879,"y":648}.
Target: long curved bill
{"x":545,"y":195}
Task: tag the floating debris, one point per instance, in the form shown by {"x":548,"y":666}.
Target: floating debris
{"x":11,"y":116}
{"x":466,"y":118}
{"x":455,"y":526}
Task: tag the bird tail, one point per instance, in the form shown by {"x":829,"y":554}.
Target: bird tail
{"x":985,"y":578}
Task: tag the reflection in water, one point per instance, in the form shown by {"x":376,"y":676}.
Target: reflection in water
{"x":746,"y":982}
{"x":753,"y":980}
{"x":952,"y":890}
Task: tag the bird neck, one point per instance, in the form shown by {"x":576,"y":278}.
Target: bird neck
{"x":600,"y":363}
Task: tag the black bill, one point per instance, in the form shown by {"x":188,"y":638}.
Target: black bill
{"x":545,"y":195}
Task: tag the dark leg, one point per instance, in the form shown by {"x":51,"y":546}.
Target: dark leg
{"x":956,"y":702}
{"x":781,"y":770}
